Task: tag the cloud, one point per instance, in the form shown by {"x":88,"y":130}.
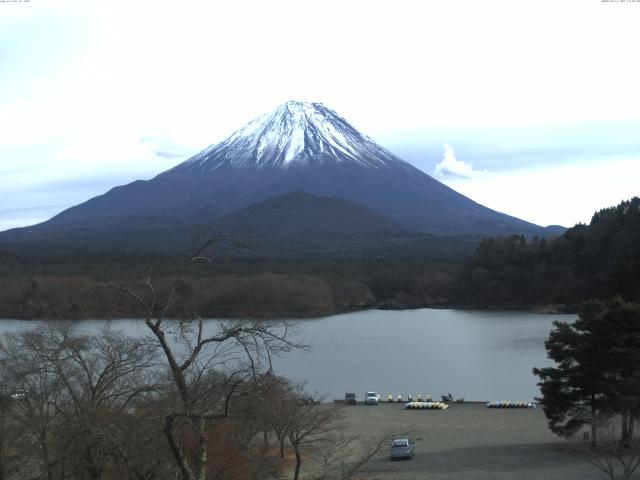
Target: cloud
{"x":546,"y":196}
{"x":165,"y":147}
{"x":450,"y":166}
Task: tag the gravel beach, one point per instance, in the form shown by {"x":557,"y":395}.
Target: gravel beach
{"x":471,"y":442}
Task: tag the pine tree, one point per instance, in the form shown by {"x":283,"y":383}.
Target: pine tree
{"x":598,"y":369}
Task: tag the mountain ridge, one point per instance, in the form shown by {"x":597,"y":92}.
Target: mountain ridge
{"x":299,"y":146}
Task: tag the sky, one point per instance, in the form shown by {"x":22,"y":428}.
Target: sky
{"x":530,"y":107}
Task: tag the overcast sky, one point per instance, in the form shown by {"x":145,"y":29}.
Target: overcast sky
{"x":531,"y":107}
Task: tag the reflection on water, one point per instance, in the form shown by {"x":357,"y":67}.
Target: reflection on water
{"x":479,"y":355}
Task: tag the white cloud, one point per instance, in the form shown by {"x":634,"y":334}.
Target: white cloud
{"x":556,"y":194}
{"x":450,"y":166}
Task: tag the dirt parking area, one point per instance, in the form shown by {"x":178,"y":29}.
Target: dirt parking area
{"x":471,"y":442}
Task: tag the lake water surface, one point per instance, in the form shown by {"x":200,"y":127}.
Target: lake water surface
{"x":479,"y":355}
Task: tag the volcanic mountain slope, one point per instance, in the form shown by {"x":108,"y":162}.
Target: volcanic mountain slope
{"x":299,"y":146}
{"x":300,"y":224}
{"x":302,"y":214}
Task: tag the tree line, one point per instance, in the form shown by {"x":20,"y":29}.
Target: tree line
{"x":61,"y":287}
{"x":600,"y":260}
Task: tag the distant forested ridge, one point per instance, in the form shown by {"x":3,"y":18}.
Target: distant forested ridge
{"x":77,"y":286}
{"x":601,"y":259}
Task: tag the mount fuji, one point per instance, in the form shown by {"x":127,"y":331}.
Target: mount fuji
{"x":298,"y":147}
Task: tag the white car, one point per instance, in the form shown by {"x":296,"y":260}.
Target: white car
{"x":371,"y":398}
{"x":402,"y":448}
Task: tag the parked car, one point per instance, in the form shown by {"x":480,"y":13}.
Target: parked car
{"x":402,"y":448}
{"x":350,"y":398}
{"x":371,"y":398}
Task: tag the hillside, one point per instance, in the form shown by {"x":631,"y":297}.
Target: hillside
{"x":596,"y":260}
{"x":301,"y":214}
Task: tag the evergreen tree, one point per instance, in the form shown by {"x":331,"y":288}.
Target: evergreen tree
{"x":598,"y":369}
{"x":601,"y":259}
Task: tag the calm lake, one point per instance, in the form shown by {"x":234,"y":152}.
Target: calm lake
{"x":479,"y":355}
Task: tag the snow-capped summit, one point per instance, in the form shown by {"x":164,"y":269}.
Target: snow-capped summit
{"x":295,"y":133}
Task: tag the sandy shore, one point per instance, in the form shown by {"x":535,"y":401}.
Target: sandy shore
{"x":470,"y":441}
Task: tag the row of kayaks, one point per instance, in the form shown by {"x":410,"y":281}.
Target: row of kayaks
{"x":426,"y":405}
{"x":444,"y":406}
{"x":506,"y":404}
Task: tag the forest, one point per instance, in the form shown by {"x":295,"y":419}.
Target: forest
{"x":72,"y":286}
{"x":601,"y":259}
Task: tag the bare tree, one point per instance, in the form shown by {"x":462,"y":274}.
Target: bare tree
{"x":102,"y":376}
{"x":10,"y":435}
{"x":345,"y":456}
{"x":279,"y":399}
{"x":37,"y":391}
{"x":76,"y":399}
{"x":315,"y":431}
{"x":237,"y":352}
{"x":310,"y":426}
{"x":617,"y":459}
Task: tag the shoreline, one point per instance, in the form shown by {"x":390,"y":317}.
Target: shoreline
{"x":536,"y":309}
